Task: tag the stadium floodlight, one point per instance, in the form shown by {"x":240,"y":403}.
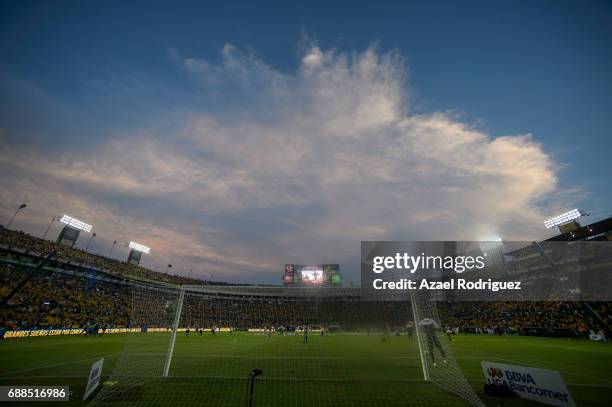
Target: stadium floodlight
{"x":491,"y":244}
{"x":75,"y":223}
{"x":16,"y":212}
{"x":493,"y":250}
{"x":563,"y":218}
{"x":139,"y":247}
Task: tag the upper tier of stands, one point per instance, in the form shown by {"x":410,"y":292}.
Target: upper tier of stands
{"x":17,"y":243}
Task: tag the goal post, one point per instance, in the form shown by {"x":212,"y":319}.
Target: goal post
{"x":145,"y":354}
{"x":315,"y":346}
{"x":417,"y":328}
{"x":437,"y":360}
{"x":175,"y":326}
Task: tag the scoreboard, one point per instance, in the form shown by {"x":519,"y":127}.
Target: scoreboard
{"x":308,"y":274}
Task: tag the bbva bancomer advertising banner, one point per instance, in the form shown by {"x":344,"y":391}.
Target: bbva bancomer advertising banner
{"x":546,"y":386}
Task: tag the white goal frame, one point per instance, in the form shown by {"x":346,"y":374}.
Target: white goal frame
{"x":163,"y":309}
{"x":281,"y":291}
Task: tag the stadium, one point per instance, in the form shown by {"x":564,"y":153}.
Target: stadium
{"x":173,"y":340}
{"x":277,"y":204}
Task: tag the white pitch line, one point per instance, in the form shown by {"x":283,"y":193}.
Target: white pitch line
{"x":50,"y":377}
{"x":589,"y":377}
{"x":608,"y":386}
{"x":545,"y":365}
{"x":302,"y":379}
{"x":221,"y":356}
{"x":53,"y":365}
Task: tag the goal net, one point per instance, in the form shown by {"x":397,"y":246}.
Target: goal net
{"x":276,"y":346}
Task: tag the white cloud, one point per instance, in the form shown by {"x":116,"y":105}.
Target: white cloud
{"x":331,"y":154}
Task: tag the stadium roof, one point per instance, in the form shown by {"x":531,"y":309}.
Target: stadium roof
{"x":267,"y":291}
{"x":594,"y":231}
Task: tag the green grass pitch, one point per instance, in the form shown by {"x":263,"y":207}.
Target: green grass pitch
{"x":333,"y":370}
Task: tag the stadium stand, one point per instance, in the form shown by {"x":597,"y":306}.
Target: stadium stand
{"x":19,"y":244}
{"x":556,"y":319}
{"x":79,"y":289}
{"x":60,"y":300}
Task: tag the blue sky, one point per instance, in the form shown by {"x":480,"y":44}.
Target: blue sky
{"x":236,"y":137}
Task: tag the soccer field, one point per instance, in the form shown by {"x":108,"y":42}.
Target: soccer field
{"x":338,"y":369}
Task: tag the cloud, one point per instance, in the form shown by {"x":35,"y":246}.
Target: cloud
{"x":295,"y":167}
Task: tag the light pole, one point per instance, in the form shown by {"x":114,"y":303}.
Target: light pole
{"x":111,"y":249}
{"x":48,"y":227}
{"x":90,"y":239}
{"x":15,"y":214}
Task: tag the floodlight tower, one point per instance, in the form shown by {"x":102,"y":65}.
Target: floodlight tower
{"x":493,"y":250}
{"x":567,"y":222}
{"x":15,"y":214}
{"x":136,"y":252}
{"x":70,"y":232}
{"x":53,"y":219}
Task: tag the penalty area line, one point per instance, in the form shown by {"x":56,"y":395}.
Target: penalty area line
{"x":271,"y":357}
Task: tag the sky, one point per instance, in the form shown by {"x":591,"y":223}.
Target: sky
{"x":234,"y":138}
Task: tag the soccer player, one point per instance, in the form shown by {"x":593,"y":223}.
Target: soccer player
{"x":305,"y":340}
{"x":430,"y":328}
{"x":85,"y":325}
{"x":409,"y":329}
{"x":385,"y":336}
{"x":449,"y":332}
{"x":187,"y":332}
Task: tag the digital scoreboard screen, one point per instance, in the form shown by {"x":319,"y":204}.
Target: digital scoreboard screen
{"x":312,"y":275}
{"x":319,"y":274}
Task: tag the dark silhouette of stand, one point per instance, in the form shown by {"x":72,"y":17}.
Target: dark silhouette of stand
{"x":23,"y":282}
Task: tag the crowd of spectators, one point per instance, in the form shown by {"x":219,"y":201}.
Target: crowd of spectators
{"x":520,"y":317}
{"x":58,"y":300}
{"x":248,"y":312}
{"x":74,"y":295}
{"x":26,"y":243}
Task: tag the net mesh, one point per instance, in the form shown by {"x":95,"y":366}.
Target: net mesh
{"x":438,"y":363}
{"x":313,"y":347}
{"x":142,"y":360}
